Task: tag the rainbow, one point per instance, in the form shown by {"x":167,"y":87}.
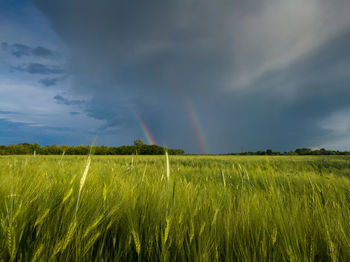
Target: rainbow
{"x":145,"y":129}
{"x":197,"y":127}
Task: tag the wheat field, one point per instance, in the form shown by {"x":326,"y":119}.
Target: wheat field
{"x":181,"y":208}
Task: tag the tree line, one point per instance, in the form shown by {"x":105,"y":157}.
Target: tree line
{"x":138,"y":148}
{"x":298,"y":151}
{"x":141,"y":149}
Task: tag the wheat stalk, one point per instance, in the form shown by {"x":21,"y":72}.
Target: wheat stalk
{"x":67,"y":195}
{"x":214,"y":218}
{"x":167,"y":166}
{"x":37,"y":253}
{"x":202,"y":229}
{"x":41,"y":219}
{"x":144,"y":172}
{"x":11,"y":241}
{"x":167,"y":229}
{"x":136,"y":241}
{"x":91,"y":242}
{"x":223,"y":178}
{"x":104,"y":192}
{"x":93,"y":225}
{"x":61,"y":157}
{"x":82,"y":182}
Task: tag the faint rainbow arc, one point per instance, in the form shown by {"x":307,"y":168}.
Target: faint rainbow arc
{"x":197,"y":127}
{"x":145,"y":129}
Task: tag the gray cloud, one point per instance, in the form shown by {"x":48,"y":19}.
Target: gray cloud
{"x":259,"y":73}
{"x":40,"y":51}
{"x":50,"y":81}
{"x":38,"y":69}
{"x":4,"y":46}
{"x":21,"y":50}
{"x":64,"y":101}
{"x":8,"y":112}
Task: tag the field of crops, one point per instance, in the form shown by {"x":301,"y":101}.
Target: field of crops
{"x":196,"y":208}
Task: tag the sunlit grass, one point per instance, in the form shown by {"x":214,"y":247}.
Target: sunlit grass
{"x":196,"y":208}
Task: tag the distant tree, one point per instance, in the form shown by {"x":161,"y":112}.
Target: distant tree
{"x":176,"y":151}
{"x":36,"y":147}
{"x":139,"y":142}
{"x":101,"y":150}
{"x":303,"y":151}
{"x":269,"y":152}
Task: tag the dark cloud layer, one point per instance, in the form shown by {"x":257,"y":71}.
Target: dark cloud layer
{"x":4,"y":46}
{"x":22,"y":50}
{"x":61,"y":100}
{"x":50,"y":81}
{"x":8,"y":112}
{"x":13,"y":134}
{"x":38,"y":69}
{"x":259,"y":73}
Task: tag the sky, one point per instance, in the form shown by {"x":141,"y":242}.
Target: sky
{"x":201,"y":75}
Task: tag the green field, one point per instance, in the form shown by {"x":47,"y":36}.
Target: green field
{"x":204,"y":208}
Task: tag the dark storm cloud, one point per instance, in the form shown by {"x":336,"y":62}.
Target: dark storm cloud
{"x":4,"y":46}
{"x":43,"y":52}
{"x":21,"y":50}
{"x":50,"y":81}
{"x":259,"y":73}
{"x":8,"y":112}
{"x":153,"y":44}
{"x":13,"y":133}
{"x":286,"y":110}
{"x":38,"y":69}
{"x":64,"y":101}
{"x":114,"y":111}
